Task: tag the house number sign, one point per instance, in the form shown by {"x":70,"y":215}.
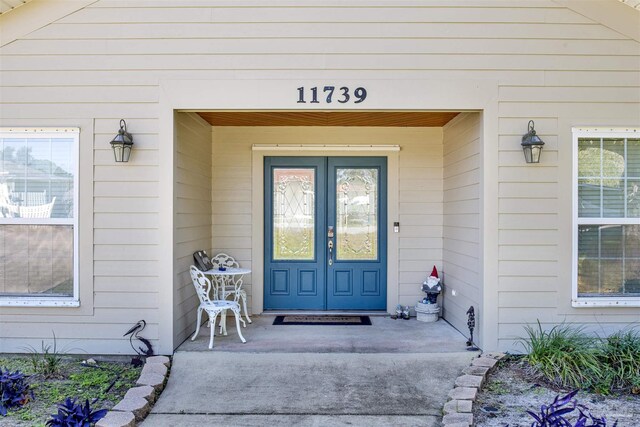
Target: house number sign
{"x":329,"y":94}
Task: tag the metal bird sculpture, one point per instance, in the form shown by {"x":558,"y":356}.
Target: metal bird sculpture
{"x":133,"y":333}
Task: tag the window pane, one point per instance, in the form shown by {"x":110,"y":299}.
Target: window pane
{"x":632,"y":280}
{"x":613,"y":198}
{"x":610,"y":241}
{"x":610,"y":276}
{"x":36,"y":260}
{"x":36,"y":177}
{"x":62,"y":169}
{"x":589,"y":197}
{"x":608,"y":260}
{"x":589,"y":158}
{"x":613,"y":157}
{"x":357,"y":214}
{"x":613,"y":165}
{"x":609,"y":173}
{"x":293,"y":214}
{"x":588,"y":241}
{"x":633,"y":198}
{"x":632,"y":259}
{"x":633,"y":158}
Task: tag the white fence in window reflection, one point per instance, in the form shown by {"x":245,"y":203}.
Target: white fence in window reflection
{"x":25,"y":204}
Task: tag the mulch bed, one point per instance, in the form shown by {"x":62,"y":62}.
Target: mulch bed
{"x":510,"y":391}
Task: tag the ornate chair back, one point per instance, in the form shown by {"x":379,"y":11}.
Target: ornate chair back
{"x":224,"y":260}
{"x":202,"y":285}
{"x":227,"y":261}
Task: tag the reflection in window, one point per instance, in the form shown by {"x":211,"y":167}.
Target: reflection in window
{"x":609,"y":260}
{"x":293,"y":213}
{"x":357,"y":214}
{"x":608,"y":178}
{"x":608,"y":217}
{"x":36,"y":177}
{"x":37,"y":219}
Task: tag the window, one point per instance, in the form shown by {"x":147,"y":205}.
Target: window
{"x":606,"y":217}
{"x":38,"y":217}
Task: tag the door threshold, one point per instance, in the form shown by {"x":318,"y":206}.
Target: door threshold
{"x":323,"y":313}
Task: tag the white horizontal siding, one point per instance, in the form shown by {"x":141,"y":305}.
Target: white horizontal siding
{"x":415,"y":61}
{"x":125,"y":238}
{"x":225,"y":15}
{"x":192,"y":214}
{"x":420,"y":210}
{"x":319,"y":30}
{"x":553,"y":65}
{"x":461,"y":254}
{"x":378,"y":46}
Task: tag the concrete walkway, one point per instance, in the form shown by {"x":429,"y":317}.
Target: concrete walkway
{"x":315,"y":376}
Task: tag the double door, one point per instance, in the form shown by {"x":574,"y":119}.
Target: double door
{"x":325,"y":233}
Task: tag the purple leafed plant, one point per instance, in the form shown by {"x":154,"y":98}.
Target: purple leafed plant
{"x":14,"y":390}
{"x":554,"y":415}
{"x":73,"y":414}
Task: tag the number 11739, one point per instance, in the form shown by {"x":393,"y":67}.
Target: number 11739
{"x":328,"y":94}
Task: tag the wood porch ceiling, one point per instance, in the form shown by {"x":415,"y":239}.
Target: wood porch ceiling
{"x":325,"y":118}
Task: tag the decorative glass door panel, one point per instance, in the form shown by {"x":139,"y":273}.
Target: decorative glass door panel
{"x":325,"y":233}
{"x":357,"y":214}
{"x":293,"y":213}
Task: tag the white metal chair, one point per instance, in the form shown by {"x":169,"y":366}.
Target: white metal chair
{"x":231,"y":285}
{"x":213,"y":307}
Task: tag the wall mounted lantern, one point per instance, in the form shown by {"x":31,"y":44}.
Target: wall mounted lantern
{"x":122,"y":143}
{"x":532,"y":145}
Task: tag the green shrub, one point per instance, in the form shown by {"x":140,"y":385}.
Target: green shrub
{"x":564,"y":356}
{"x":620,"y":355}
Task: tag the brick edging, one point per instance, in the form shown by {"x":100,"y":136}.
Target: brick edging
{"x":137,"y":402}
{"x":458,"y":411}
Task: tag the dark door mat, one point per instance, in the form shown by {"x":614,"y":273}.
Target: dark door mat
{"x":297,"y":319}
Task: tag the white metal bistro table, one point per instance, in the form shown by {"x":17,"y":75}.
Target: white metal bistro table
{"x":229,"y":282}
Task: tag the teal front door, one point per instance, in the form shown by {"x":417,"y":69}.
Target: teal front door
{"x":325,"y":233}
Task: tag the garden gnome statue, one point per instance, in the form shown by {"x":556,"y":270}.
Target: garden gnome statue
{"x":432,"y":287}
{"x":428,"y":310}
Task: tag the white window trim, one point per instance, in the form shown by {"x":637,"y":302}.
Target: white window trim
{"x":43,"y":301}
{"x":598,"y":132}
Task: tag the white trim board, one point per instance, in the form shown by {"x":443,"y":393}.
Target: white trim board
{"x":323,"y":147}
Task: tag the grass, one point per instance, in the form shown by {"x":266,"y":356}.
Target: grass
{"x":48,"y":360}
{"x":497,"y":387}
{"x":73,"y":380}
{"x":566,"y":357}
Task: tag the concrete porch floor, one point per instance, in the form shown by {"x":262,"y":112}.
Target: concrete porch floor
{"x":394,"y":372}
{"x":385,"y":335}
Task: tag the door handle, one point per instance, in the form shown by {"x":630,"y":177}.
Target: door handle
{"x":330,"y":252}
{"x":330,"y":234}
